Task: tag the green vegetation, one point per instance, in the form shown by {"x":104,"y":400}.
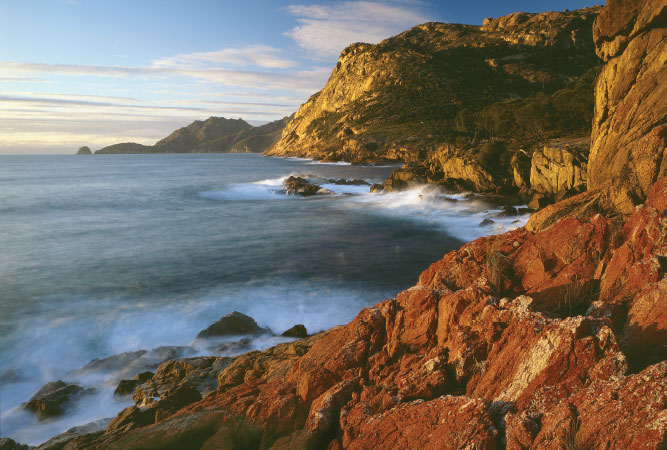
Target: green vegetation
{"x":531,"y":120}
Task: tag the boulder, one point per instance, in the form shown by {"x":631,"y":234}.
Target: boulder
{"x":54,"y":398}
{"x":301,"y":186}
{"x":199,"y":373}
{"x":234,"y":323}
{"x":558,"y":169}
{"x":126,"y":387}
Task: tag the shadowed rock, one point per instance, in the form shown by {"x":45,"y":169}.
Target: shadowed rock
{"x":297,"y":331}
{"x":235,"y":323}
{"x":54,"y":398}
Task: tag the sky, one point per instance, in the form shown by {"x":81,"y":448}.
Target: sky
{"x":99,"y":72}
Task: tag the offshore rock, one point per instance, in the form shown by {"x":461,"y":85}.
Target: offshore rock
{"x":85,"y":150}
{"x":297,"y":331}
{"x":234,"y":323}
{"x":54,"y":398}
{"x":301,"y":186}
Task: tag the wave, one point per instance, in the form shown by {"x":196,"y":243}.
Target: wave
{"x":53,"y":347}
{"x":465,"y":216}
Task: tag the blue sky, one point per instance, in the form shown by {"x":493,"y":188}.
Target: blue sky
{"x":97,"y":72}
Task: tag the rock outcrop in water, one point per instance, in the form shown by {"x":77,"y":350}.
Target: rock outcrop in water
{"x":213,"y":135}
{"x":85,"y":150}
{"x":54,"y":398}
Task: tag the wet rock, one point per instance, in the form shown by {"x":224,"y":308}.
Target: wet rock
{"x":54,"y":398}
{"x":129,"y":364}
{"x":61,"y":440}
{"x":199,"y":373}
{"x":126,"y":387}
{"x":345,"y":182}
{"x":297,"y":331}
{"x":405,"y":177}
{"x":234,"y":347}
{"x":508,"y":211}
{"x":377,"y":188}
{"x":301,"y":186}
{"x":234,"y":323}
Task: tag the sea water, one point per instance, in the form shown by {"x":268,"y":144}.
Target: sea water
{"x":106,"y":254}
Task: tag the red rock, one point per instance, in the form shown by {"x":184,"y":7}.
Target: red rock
{"x":444,"y":423}
{"x":645,"y":330}
{"x":617,"y":414}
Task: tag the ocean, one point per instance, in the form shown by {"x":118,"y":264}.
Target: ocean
{"x":106,"y":254}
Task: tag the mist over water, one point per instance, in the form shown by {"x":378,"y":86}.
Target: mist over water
{"x":113,"y":253}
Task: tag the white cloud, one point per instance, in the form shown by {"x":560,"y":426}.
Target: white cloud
{"x":309,"y":80}
{"x":324,"y":31}
{"x":252,"y":55}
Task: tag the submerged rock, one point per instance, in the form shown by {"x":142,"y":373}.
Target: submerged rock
{"x":301,"y":186}
{"x":54,"y":398}
{"x":297,"y":331}
{"x":345,"y":182}
{"x":235,"y":323}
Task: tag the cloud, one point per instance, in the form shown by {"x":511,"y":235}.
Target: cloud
{"x":252,"y":55}
{"x":324,"y":31}
{"x":309,"y":80}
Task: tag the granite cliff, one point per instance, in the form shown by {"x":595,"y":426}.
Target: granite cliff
{"x":552,"y":336}
{"x":213,"y":135}
{"x":454,"y":101}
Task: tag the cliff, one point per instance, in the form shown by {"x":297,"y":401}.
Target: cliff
{"x":213,"y":135}
{"x":629,"y":129}
{"x":475,"y":94}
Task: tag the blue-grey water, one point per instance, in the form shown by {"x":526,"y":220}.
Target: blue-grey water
{"x":110,"y":253}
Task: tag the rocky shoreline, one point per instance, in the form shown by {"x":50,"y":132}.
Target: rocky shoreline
{"x":553,"y":335}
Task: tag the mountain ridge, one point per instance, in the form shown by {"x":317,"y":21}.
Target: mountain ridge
{"x":213,"y":135}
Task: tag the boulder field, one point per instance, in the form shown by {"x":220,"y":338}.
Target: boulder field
{"x":522,"y":340}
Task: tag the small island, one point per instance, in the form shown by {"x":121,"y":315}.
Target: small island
{"x":85,"y":150}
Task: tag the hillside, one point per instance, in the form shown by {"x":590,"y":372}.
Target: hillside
{"x":517,"y":81}
{"x":213,"y":135}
